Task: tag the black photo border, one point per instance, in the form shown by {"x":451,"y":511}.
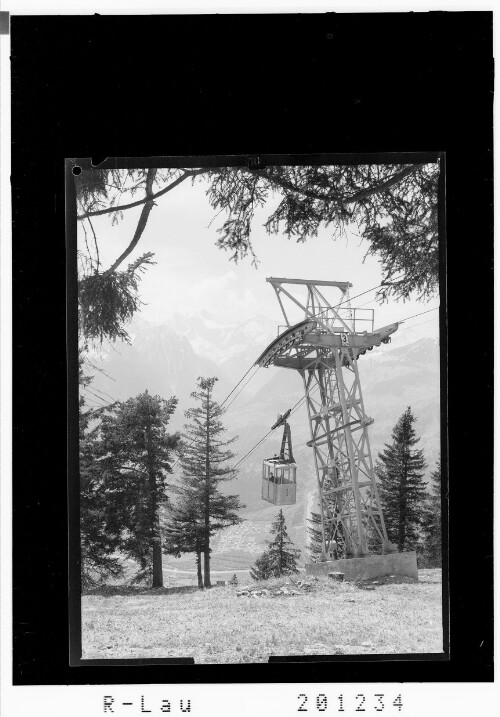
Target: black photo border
{"x":71,"y":109}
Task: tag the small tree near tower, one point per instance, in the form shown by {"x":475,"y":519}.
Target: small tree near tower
{"x":281,"y":557}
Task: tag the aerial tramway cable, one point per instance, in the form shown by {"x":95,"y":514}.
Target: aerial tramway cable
{"x":241,"y":389}
{"x":412,"y":326}
{"x":234,"y":389}
{"x":420,"y":314}
{"x":228,"y":395}
{"x":292,"y":410}
{"x":351,"y":298}
{"x":252,"y":449}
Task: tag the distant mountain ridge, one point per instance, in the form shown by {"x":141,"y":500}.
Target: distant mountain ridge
{"x":159,"y":359}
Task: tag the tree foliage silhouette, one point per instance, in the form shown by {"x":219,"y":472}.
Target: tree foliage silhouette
{"x":281,"y":557}
{"x":400,"y":470}
{"x":183,"y":531}
{"x":100,"y":537}
{"x":205,"y":466}
{"x":432,"y":524}
{"x":136,"y":459}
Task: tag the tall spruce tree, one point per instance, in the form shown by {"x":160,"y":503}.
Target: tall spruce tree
{"x":400,"y":470}
{"x":204,"y":468}
{"x":137,"y":451}
{"x":431,"y":526}
{"x":99,"y":536}
{"x":280,"y":558}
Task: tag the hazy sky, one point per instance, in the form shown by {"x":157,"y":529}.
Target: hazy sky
{"x":192,"y":274}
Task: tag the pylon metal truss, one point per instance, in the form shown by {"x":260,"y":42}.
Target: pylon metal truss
{"x":324,"y":348}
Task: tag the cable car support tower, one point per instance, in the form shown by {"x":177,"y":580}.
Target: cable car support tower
{"x":324,"y":348}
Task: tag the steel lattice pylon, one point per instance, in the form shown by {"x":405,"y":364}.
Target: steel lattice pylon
{"x":324,"y":348}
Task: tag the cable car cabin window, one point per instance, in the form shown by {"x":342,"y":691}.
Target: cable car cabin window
{"x":279,"y":482}
{"x":289,"y":474}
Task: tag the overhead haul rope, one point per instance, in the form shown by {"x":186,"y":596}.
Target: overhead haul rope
{"x":228,"y":395}
{"x":348,"y":300}
{"x":412,"y":326}
{"x":292,"y":411}
{"x":241,"y":389}
{"x":351,"y":298}
{"x":252,"y":449}
{"x":420,"y":314}
{"x":241,"y":379}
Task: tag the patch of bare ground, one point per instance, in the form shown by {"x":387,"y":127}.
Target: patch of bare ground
{"x":236,"y":625}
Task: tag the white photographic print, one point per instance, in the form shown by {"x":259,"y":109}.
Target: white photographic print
{"x":260,"y":410}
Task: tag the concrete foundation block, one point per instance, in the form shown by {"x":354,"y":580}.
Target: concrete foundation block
{"x":370,"y":566}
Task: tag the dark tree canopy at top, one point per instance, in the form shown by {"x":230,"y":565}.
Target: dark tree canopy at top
{"x":392,"y":206}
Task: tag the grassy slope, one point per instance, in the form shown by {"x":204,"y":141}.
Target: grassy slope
{"x":216,"y":626}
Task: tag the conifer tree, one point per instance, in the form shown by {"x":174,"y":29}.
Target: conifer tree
{"x":137,"y":451}
{"x":204,"y":467}
{"x":431,"y":527}
{"x":183,"y":531}
{"x":262,"y":569}
{"x":99,"y":537}
{"x":280,"y":558}
{"x":400,"y":470}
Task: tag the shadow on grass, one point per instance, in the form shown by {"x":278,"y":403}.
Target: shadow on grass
{"x":426,"y":577}
{"x":129,"y":590}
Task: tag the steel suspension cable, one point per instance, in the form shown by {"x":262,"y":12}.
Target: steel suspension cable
{"x":351,"y":298}
{"x":420,"y":314}
{"x":224,"y":401}
{"x":241,"y":379}
{"x":241,"y":389}
{"x":252,"y":450}
{"x":348,"y":300}
{"x":294,"y":407}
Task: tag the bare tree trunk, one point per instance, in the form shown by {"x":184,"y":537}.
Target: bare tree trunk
{"x":198,"y":569}
{"x":206,"y":566}
{"x":156,"y":539}
{"x":157,"y":557}
{"x":206,"y":554}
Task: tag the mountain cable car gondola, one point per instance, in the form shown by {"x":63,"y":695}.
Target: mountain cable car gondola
{"x":279,"y":474}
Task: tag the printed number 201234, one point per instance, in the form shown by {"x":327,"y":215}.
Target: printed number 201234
{"x":377,"y":702}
